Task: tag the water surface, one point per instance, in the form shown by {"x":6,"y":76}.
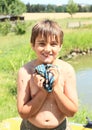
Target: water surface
{"x":83,"y":67}
{"x":84,"y":87}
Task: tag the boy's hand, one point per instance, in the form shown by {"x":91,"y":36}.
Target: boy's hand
{"x":58,"y":84}
{"x":56,"y":74}
{"x":38,"y":80}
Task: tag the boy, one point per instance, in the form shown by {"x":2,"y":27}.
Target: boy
{"x":39,"y":108}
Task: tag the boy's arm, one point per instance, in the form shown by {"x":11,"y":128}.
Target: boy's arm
{"x":28,"y":106}
{"x":67,"y":100}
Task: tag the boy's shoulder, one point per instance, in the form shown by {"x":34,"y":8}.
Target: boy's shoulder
{"x":65,"y":65}
{"x":26,"y":68}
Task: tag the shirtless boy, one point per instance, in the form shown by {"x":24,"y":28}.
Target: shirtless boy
{"x":39,"y":108}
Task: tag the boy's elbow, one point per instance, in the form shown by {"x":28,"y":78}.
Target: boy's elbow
{"x":22,"y":114}
{"x":73,"y":112}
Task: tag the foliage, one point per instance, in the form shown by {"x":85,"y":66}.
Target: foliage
{"x":51,"y":8}
{"x":72,"y":7}
{"x":60,"y":8}
{"x":80,"y":116}
{"x":57,"y":8}
{"x":20,"y":27}
{"x":12,"y":7}
{"x":5,"y":27}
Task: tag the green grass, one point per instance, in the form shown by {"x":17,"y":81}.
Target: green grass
{"x":77,"y":38}
{"x":80,"y":116}
{"x":15,"y":51}
{"x":7,"y":99}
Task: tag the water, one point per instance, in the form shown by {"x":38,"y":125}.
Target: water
{"x":84,"y":87}
{"x":83,"y":67}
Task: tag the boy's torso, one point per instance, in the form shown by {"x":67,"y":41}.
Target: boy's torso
{"x":49,"y":112}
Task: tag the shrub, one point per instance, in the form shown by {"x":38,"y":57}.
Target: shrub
{"x":5,"y":27}
{"x":20,"y":27}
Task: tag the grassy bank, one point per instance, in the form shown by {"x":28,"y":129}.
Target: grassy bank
{"x":15,"y":51}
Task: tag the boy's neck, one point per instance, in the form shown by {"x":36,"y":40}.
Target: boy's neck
{"x":37,"y":62}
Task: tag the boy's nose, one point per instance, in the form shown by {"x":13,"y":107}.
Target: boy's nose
{"x":47,"y":48}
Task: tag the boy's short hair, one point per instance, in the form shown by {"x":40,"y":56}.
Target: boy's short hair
{"x":47,"y":28}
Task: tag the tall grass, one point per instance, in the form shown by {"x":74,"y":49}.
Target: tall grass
{"x":15,"y":51}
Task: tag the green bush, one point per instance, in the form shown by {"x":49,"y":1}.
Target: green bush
{"x":20,"y":27}
{"x":5,"y":27}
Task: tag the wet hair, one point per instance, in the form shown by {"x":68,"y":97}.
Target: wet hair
{"x":47,"y":28}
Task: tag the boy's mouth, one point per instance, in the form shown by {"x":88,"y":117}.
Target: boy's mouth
{"x":47,"y":55}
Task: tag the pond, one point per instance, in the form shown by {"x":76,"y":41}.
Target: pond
{"x":83,"y":67}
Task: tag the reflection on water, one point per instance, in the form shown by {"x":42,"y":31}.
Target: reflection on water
{"x":84,"y":86}
{"x":83,"y":67}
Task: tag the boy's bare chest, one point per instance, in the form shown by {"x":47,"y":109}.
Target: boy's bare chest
{"x":34,"y":88}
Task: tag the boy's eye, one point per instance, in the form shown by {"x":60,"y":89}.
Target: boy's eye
{"x":54,"y":44}
{"x":41,"y":43}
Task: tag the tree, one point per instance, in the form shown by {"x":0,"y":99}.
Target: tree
{"x":28,"y":7}
{"x":12,"y":7}
{"x":59,"y":9}
{"x":50,"y":8}
{"x":72,"y":7}
{"x":91,"y":8}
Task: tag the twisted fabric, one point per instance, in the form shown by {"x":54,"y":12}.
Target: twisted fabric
{"x":49,"y":78}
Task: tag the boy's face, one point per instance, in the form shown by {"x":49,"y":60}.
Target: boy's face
{"x":46,"y":49}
